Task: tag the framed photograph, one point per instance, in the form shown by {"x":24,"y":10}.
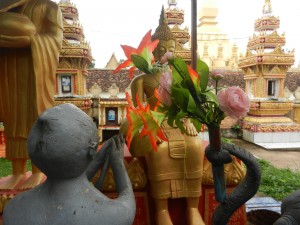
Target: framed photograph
{"x":66,"y":85}
{"x":111,"y":116}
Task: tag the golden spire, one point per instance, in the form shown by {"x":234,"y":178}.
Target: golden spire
{"x":163,"y":31}
{"x":267,"y":8}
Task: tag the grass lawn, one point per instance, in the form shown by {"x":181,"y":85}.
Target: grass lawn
{"x":275,"y":183}
{"x":5,"y":167}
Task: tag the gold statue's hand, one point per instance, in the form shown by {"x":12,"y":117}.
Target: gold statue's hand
{"x":14,"y":42}
{"x":189,"y":127}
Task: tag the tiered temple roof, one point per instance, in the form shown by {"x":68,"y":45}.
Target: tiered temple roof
{"x":266,"y":62}
{"x":175,"y":17}
{"x":74,"y":43}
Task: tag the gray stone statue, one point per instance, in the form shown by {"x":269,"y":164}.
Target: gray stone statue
{"x":290,"y":210}
{"x":62,"y":144}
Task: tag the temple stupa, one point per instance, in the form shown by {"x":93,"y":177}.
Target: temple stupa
{"x":265,"y":66}
{"x":214,"y":46}
{"x":74,"y":59}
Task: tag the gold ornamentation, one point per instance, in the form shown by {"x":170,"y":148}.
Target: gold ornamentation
{"x":264,"y":120}
{"x":234,"y":172}
{"x":270,"y":40}
{"x":182,"y":35}
{"x":264,"y":23}
{"x":137,"y":174}
{"x":175,"y":15}
{"x":270,"y":108}
{"x":270,"y":124}
{"x":82,"y":103}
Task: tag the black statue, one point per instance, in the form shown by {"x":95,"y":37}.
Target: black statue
{"x":244,"y":191}
{"x":62,"y":143}
{"x":290,"y":210}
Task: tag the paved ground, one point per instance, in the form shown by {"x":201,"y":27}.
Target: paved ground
{"x":280,"y":158}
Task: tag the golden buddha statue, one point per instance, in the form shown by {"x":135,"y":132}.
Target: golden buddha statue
{"x":31,"y":34}
{"x":176,"y":169}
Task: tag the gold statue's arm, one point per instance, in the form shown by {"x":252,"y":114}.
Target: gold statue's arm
{"x":137,"y":90}
{"x":15,"y":30}
{"x":14,"y":42}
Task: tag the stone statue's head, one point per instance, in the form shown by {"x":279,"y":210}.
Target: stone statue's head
{"x":167,"y":40}
{"x":63,"y":141}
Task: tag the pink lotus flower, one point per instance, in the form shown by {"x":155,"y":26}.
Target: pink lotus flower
{"x":234,"y":102}
{"x":164,"y":89}
{"x":166,"y":57}
{"x":217,"y":74}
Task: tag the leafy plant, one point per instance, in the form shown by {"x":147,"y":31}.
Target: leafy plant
{"x":277,"y":183}
{"x":237,"y":128}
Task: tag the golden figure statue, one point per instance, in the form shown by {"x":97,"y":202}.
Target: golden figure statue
{"x":175,"y":170}
{"x":31,"y":34}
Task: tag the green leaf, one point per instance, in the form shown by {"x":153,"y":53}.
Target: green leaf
{"x":140,"y":63}
{"x":158,"y":116}
{"x":147,"y":55}
{"x":191,"y":107}
{"x":178,"y":118}
{"x":180,"y":97}
{"x":181,"y":67}
{"x":203,"y":71}
{"x":171,"y":114}
{"x":210,"y":96}
{"x":197,"y":124}
{"x":177,"y":79}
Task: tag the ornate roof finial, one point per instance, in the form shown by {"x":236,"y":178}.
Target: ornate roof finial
{"x":267,"y":8}
{"x":163,"y":31}
{"x":172,"y":2}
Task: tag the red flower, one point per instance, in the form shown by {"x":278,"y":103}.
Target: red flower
{"x":145,"y":49}
{"x":143,"y":117}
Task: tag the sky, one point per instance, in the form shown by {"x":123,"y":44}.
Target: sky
{"x":109,"y":23}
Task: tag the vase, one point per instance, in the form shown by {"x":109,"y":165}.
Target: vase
{"x":218,"y":157}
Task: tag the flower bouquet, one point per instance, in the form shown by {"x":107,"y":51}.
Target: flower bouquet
{"x":183,"y":93}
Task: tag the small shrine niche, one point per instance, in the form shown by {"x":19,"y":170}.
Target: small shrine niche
{"x":65,"y":86}
{"x":112,"y":107}
{"x":111,"y":116}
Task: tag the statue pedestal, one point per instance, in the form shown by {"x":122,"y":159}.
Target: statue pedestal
{"x":267,"y":129}
{"x":209,"y":204}
{"x":266,"y":123}
{"x":145,"y":205}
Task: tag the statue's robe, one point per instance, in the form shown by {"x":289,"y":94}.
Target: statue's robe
{"x":27,"y":74}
